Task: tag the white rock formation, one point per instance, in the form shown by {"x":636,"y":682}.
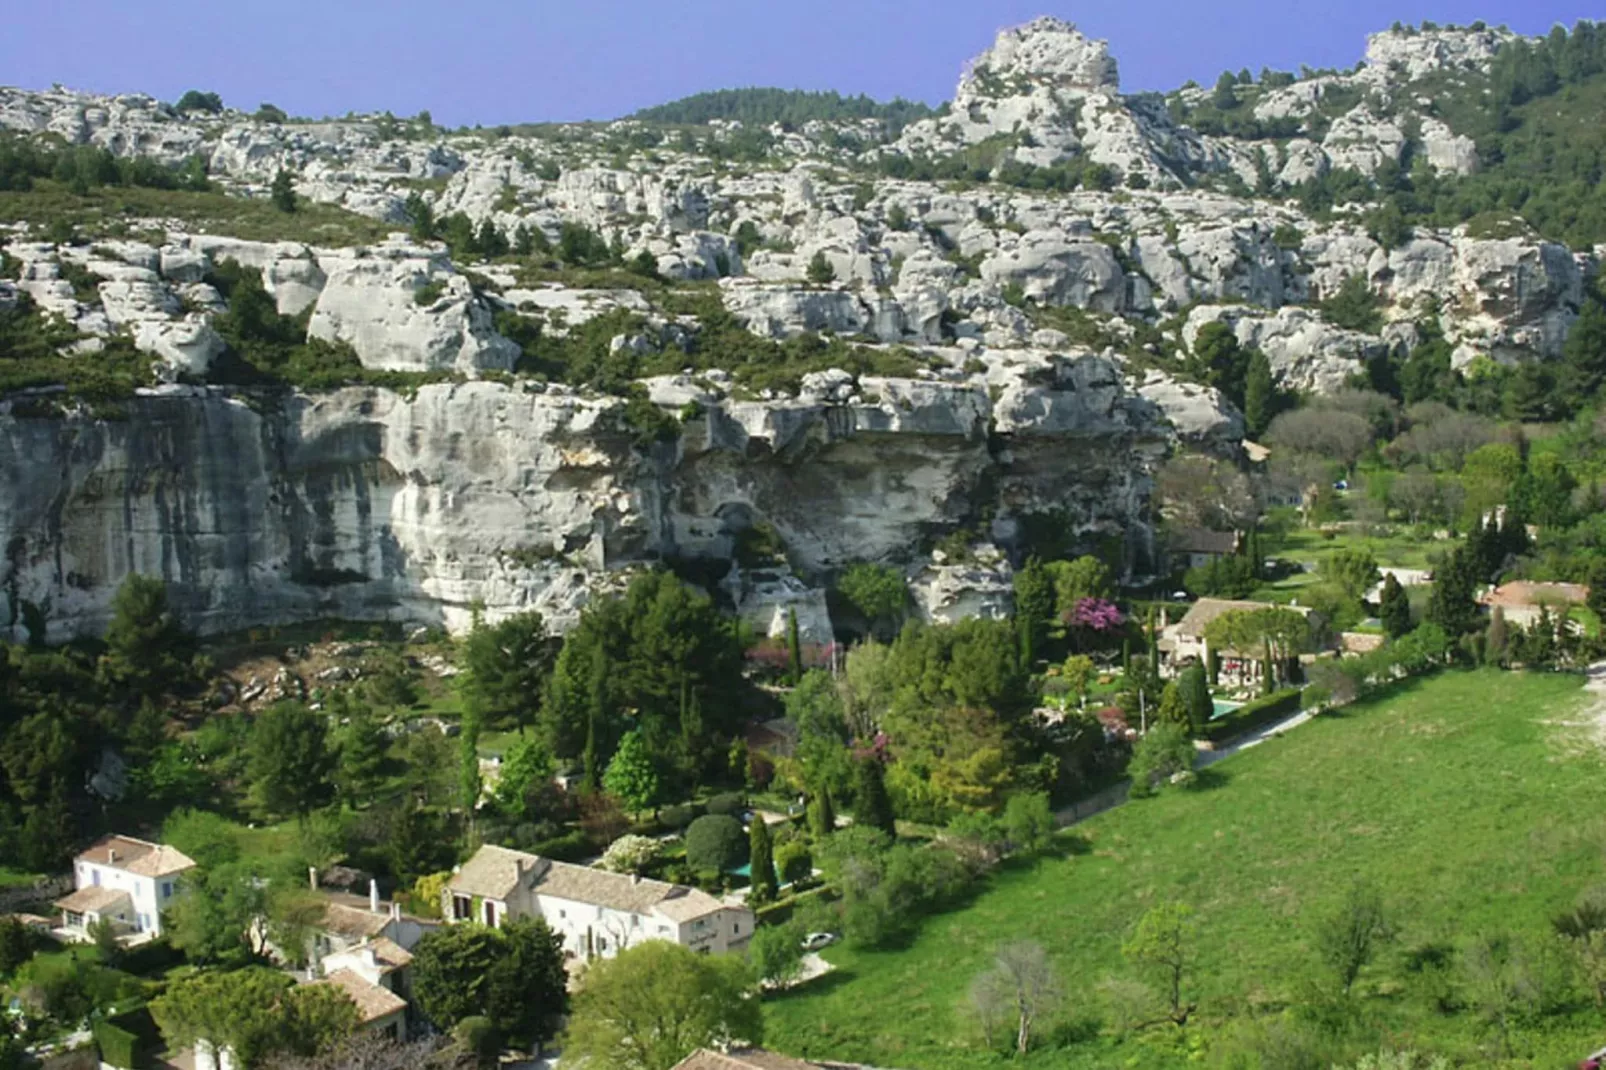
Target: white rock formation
{"x":404,"y":309}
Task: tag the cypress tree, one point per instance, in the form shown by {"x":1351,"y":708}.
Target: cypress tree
{"x":822,"y":816}
{"x":1453,"y":606}
{"x":1195,"y":692}
{"x":794,"y":648}
{"x":1394,"y":608}
{"x":1259,"y":394}
{"x":874,"y":807}
{"x":761,"y":858}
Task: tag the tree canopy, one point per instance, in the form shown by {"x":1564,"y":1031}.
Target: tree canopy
{"x":655,"y":1003}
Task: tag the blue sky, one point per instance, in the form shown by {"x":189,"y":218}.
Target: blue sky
{"x":477,"y":61}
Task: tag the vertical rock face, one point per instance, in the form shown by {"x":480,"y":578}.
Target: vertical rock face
{"x":362,"y":504}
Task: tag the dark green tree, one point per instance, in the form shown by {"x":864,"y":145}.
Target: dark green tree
{"x":283,"y":192}
{"x":1394,"y":608}
{"x":363,"y":746}
{"x":290,"y":760}
{"x":1260,"y":394}
{"x":513,"y":976}
{"x":1219,"y":361}
{"x":1584,"y":352}
{"x":147,"y":651}
{"x":877,"y":592}
{"x":715,"y":843}
{"x":195,"y":100}
{"x":761,"y":860}
{"x":505,"y":668}
{"x":1225,"y":96}
{"x":1035,"y":603}
{"x":822,"y":815}
{"x":820,"y":272}
{"x":1194,"y":690}
{"x":527,"y":989}
{"x":872,"y":806}
{"x":1452,"y":604}
{"x":16,"y":945}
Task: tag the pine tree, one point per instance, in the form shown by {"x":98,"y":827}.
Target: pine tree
{"x":1394,"y":608}
{"x":872,"y":806}
{"x":761,"y":863}
{"x":822,"y":816}
{"x":362,"y":753}
{"x":283,"y":192}
{"x":1259,"y":394}
{"x":820,"y":271}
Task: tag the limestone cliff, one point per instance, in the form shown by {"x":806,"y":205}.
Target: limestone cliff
{"x":361,"y":503}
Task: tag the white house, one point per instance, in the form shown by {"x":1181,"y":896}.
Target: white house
{"x":125,"y":881}
{"x":597,"y":913}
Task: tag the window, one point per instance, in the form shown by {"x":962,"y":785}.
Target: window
{"x":602,"y":943}
{"x":490,"y":914}
{"x":167,"y":889}
{"x":737,"y":929}
{"x":94,"y":876}
{"x":462,"y":908}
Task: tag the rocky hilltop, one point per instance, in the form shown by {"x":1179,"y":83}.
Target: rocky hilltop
{"x":1040,"y":336}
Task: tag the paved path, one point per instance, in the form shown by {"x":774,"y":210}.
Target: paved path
{"x":1114,"y":796}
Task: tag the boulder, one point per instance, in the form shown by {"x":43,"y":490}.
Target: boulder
{"x":371,"y":301}
{"x":1054,"y":270}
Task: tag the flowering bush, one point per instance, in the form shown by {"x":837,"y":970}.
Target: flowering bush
{"x":1096,"y":615}
{"x":630,"y":854}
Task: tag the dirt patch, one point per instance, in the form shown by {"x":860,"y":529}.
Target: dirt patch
{"x":1582,"y":732}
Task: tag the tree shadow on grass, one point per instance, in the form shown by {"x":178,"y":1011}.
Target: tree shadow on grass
{"x":817,"y":986}
{"x":1210,"y":778}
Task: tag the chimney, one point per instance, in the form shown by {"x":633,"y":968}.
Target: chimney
{"x":312,"y":877}
{"x":111,"y":855}
{"x":369,"y":958}
{"x":635,"y":878}
{"x":373,"y":896}
{"x":395,"y":911}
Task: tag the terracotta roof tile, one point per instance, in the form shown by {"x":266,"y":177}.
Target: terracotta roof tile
{"x":373,"y":1001}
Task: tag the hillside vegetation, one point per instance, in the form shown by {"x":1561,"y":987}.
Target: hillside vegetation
{"x":1457,"y":798}
{"x":793,"y":106}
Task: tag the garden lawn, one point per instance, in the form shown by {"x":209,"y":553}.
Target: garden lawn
{"x":1312,"y":547}
{"x":1452,"y":795}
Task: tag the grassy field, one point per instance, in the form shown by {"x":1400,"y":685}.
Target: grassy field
{"x":1454,"y":796}
{"x":15,"y":878}
{"x":115,"y":211}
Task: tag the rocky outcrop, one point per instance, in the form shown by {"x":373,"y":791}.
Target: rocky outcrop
{"x":981,"y":585}
{"x":1305,"y":352}
{"x":404,"y":309}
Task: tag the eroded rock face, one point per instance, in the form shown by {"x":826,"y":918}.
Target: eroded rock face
{"x":404,"y":309}
{"x":363,"y":504}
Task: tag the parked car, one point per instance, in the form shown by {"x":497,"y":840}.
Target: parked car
{"x":815,"y":941}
